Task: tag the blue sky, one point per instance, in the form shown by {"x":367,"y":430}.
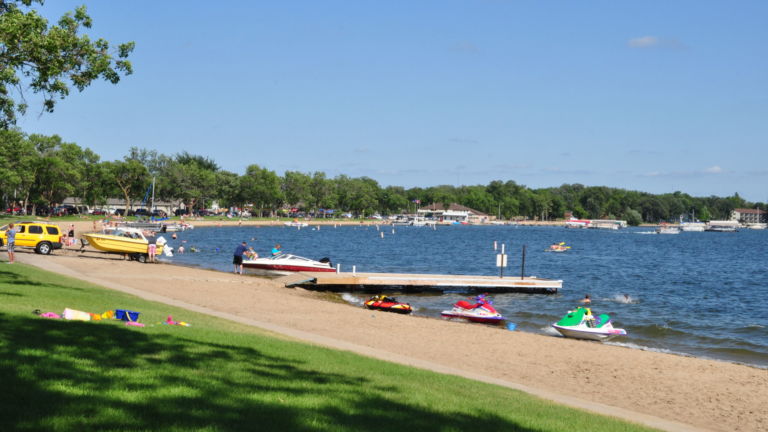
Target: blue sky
{"x":656,"y":96}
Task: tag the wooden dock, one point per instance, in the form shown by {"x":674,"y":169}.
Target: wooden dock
{"x":420,"y":283}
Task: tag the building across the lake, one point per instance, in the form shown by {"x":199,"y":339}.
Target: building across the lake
{"x":112,"y":204}
{"x":453,"y":213}
{"x":749,"y":216}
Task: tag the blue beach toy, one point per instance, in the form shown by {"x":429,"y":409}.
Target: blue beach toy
{"x":511,"y":326}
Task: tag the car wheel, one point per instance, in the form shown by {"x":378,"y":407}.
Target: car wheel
{"x":44,"y":248}
{"x":1,"y":242}
{"x":142,"y":258}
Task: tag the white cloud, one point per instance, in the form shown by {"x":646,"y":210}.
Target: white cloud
{"x":644,"y":42}
{"x":713,"y":170}
{"x":655,"y":42}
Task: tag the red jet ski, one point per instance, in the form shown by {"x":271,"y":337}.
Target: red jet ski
{"x":481,"y":311}
{"x":388,"y":304}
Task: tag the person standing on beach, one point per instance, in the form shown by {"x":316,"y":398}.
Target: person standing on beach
{"x":152,"y":248}
{"x":238,"y":258}
{"x":71,"y":235}
{"x":11,"y":233}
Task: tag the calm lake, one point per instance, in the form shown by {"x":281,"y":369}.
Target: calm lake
{"x":697,"y":293}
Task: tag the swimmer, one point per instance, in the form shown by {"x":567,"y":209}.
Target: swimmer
{"x":586,"y":300}
{"x":173,"y":236}
{"x":181,"y":249}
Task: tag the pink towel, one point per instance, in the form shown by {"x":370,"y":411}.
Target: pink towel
{"x":134,"y":323}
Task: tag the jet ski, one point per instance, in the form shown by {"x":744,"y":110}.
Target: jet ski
{"x":388,"y":304}
{"x":482,"y":311}
{"x":582,"y":324}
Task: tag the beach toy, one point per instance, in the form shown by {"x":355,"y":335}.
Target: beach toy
{"x":76,"y":315}
{"x":134,"y":324}
{"x":511,"y":326}
{"x":50,"y":315}
{"x":170,"y":321}
{"x":126,"y":315}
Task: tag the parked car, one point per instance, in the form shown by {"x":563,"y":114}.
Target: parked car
{"x":64,"y":210}
{"x":159,"y":213}
{"x":179,"y":212}
{"x":41,"y":236}
{"x":98,"y":212}
{"x":140,"y":212}
{"x":119,"y":212}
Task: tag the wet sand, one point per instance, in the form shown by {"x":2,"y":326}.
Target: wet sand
{"x":666,"y":391}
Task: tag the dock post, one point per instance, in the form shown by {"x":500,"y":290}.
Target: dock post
{"x":354,"y":270}
{"x":501,"y":261}
{"x":522,"y":265}
{"x":338,"y":268}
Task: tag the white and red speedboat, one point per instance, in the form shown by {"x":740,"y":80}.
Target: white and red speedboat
{"x":482,"y":311}
{"x":289,"y":263}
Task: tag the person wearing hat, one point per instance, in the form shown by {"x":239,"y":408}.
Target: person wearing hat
{"x":238,"y":259}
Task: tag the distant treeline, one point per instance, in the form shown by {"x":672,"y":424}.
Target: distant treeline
{"x":40,"y":171}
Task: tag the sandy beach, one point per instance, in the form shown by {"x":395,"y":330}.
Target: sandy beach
{"x":667,"y":391}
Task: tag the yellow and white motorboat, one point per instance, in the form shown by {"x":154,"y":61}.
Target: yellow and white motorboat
{"x":123,"y":240}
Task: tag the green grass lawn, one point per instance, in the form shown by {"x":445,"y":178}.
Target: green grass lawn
{"x":219,"y":375}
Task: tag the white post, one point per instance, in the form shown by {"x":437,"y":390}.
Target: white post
{"x":382,"y":234}
{"x":338,"y":268}
{"x":354,"y":269}
{"x":495,"y":245}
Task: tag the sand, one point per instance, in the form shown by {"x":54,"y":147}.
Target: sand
{"x":670,"y":392}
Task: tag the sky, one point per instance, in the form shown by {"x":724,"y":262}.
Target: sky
{"x":655,"y":96}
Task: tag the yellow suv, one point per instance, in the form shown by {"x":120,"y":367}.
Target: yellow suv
{"x":42,"y":236}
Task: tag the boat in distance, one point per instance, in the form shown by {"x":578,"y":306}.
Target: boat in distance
{"x":289,"y":263}
{"x":667,"y":229}
{"x":122,"y":240}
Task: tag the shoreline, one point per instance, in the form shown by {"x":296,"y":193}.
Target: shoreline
{"x":756,"y":362}
{"x":708,"y":394}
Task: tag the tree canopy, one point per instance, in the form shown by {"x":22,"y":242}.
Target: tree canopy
{"x":48,"y":59}
{"x":39,"y":171}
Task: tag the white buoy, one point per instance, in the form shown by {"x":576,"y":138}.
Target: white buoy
{"x":495,"y":245}
{"x":393,"y":230}
{"x":382,"y":234}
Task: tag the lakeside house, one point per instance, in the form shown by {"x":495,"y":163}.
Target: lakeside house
{"x":113,"y":204}
{"x":749,"y":216}
{"x":453,"y":213}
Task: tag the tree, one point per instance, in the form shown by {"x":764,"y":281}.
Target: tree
{"x":261,"y":187}
{"x":296,"y":186}
{"x":228,"y":188}
{"x":18,"y":161}
{"x":42,"y":58}
{"x":58,"y":169}
{"x":130,"y":176}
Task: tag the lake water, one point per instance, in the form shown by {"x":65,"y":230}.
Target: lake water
{"x":701,"y":294}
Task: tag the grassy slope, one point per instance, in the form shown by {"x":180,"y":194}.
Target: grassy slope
{"x":219,"y":375}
